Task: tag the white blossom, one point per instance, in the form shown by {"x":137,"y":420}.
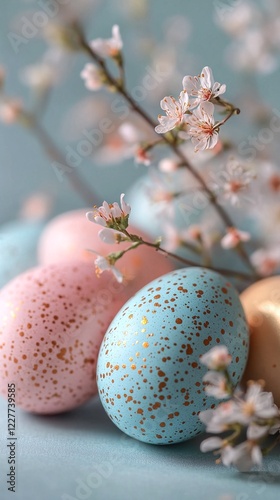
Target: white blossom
{"x":103,"y":264}
{"x":252,"y":53}
{"x":210,"y":444}
{"x":237,"y":19}
{"x":201,"y":127}
{"x":236,"y":180}
{"x":217,"y":384}
{"x":92,"y":76}
{"x":111,"y":236}
{"x":111,"y":216}
{"x":216,"y":358}
{"x":256,"y":404}
{"x":175,"y":112}
{"x":220,"y":419}
{"x":142,"y":156}
{"x":233,"y":237}
{"x":255,"y":431}
{"x":167,"y":165}
{"x":266,"y":260}
{"x":203,"y":87}
{"x":110,"y":47}
{"x":40,"y":76}
{"x":244,"y":456}
{"x":10,"y":110}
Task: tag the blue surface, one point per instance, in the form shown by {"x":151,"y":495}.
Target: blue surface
{"x":56,"y":454}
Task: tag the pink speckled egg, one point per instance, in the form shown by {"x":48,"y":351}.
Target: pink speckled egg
{"x":70,"y":235}
{"x":52,"y":321}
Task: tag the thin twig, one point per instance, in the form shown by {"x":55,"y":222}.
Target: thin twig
{"x":242,"y":276}
{"x":171,"y":143}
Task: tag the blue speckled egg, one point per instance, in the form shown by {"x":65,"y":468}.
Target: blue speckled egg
{"x":149,"y":373}
{"x":18,"y":247}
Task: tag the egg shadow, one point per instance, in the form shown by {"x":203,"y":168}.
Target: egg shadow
{"x":92,"y":418}
{"x":184,"y":453}
{"x":89,"y":417}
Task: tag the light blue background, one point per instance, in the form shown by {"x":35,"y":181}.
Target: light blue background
{"x":25,"y":169}
{"x":54,"y":453}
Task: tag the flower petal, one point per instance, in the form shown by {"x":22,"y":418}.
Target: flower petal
{"x":206,"y":78}
{"x":210,"y":444}
{"x":256,"y":432}
{"x":109,"y":236}
{"x":92,"y":217}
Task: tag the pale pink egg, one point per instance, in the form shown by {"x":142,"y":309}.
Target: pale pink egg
{"x":71,"y":235}
{"x":52,"y":321}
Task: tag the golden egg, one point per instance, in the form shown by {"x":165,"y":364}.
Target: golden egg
{"x":261,"y":303}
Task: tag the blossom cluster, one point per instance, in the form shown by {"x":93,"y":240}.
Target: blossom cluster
{"x":193,"y":112}
{"x":252,"y":413}
{"x":114,"y":221}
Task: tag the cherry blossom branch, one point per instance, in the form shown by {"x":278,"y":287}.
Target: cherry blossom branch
{"x":114,"y":257}
{"x":225,"y":104}
{"x":170,"y":140}
{"x":114,"y":220}
{"x":222,"y":122}
{"x":187,"y":262}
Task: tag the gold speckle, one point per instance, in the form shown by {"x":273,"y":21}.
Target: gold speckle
{"x":144,"y":320}
{"x":145,"y":345}
{"x":133,"y":367}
